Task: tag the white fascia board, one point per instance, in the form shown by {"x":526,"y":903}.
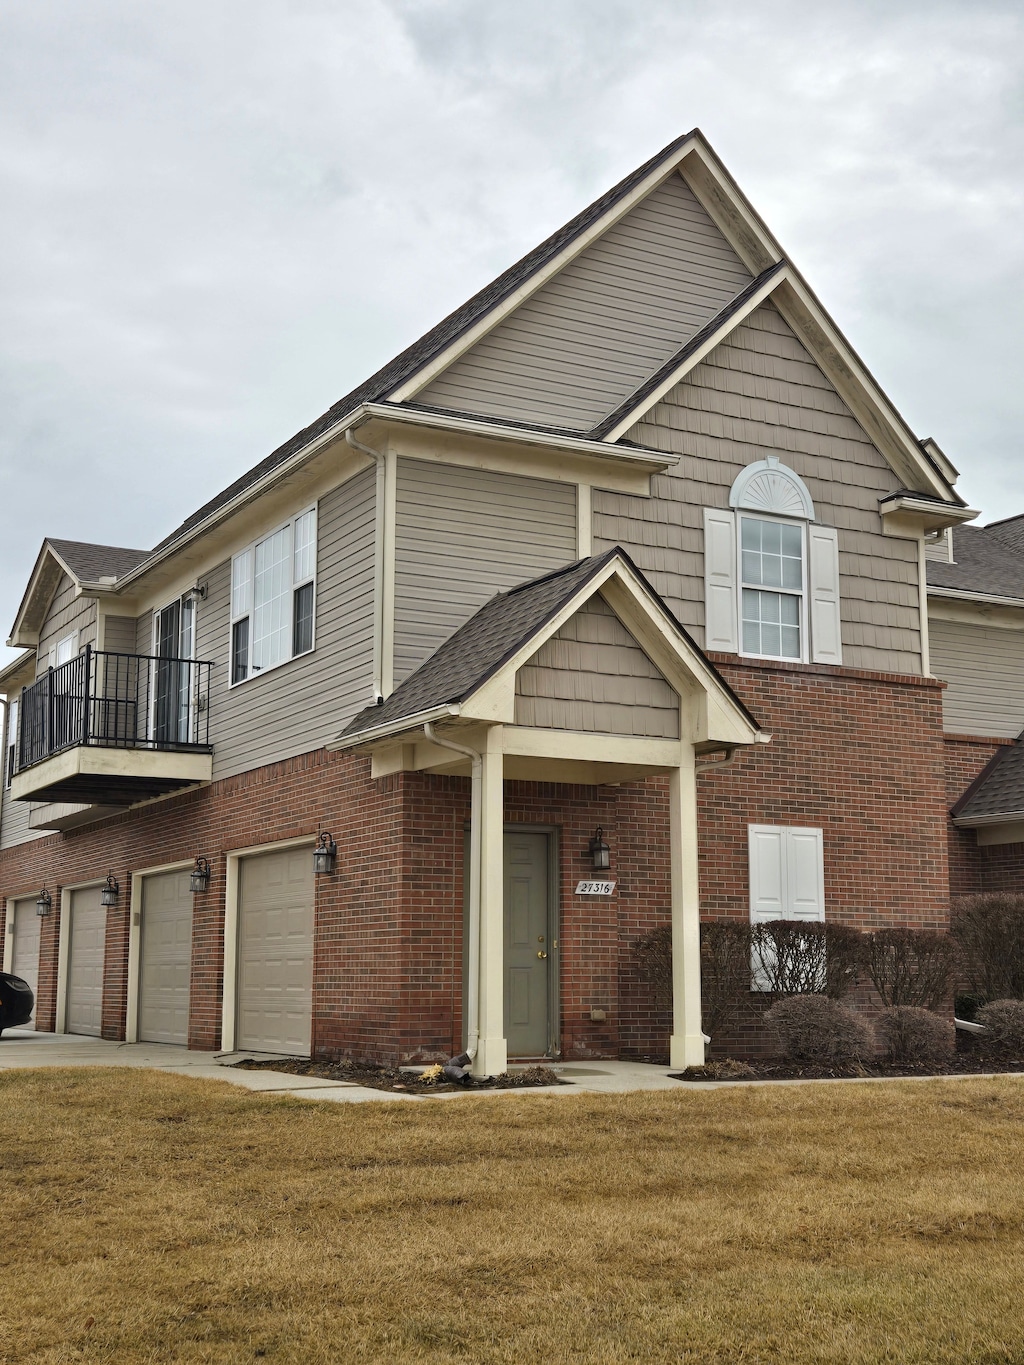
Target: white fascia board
{"x":964,"y":595}
{"x":951,"y":514}
{"x":410,"y":387}
{"x":728,"y":207}
{"x":402,"y":725}
{"x":848,"y":362}
{"x":644,"y":457}
{"x":680,"y":371}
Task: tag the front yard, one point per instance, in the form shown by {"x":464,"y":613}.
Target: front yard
{"x":149,"y":1217}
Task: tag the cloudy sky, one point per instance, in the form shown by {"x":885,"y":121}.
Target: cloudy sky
{"x":217,"y":216}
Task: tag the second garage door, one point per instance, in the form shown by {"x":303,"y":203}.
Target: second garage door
{"x":25,"y":957}
{"x":86,"y":942}
{"x":165,"y":959}
{"x":275,"y":952}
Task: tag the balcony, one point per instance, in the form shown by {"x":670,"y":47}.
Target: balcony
{"x":112,"y":730}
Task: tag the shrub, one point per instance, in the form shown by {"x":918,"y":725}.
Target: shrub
{"x":911,"y":1034}
{"x":988,"y":932}
{"x":1005,"y":1021}
{"x":724,"y":968}
{"x":912,"y":967}
{"x":813,"y":1028}
{"x":791,"y":957}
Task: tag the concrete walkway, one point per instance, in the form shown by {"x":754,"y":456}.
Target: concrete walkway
{"x":24,"y":1048}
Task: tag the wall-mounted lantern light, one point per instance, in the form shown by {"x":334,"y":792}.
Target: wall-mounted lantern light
{"x":600,"y":853}
{"x":44,"y":902}
{"x":199,"y":879}
{"x":111,"y":891}
{"x":325,"y":854}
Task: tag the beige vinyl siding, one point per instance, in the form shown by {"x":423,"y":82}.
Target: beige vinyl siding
{"x":297,"y":707}
{"x":13,"y":814}
{"x":760,"y":393}
{"x":144,"y":634}
{"x":463,"y":535}
{"x":120,"y":634}
{"x":593,"y":676}
{"x":67,"y":613}
{"x":984,"y":667}
{"x":585,"y":340}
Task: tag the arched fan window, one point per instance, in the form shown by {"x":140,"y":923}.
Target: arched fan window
{"x":771,"y":572}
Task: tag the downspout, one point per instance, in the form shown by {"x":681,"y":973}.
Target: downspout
{"x":379,"y":552}
{"x":473,"y":946}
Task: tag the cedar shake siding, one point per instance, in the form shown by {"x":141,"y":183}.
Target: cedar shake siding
{"x":760,"y":393}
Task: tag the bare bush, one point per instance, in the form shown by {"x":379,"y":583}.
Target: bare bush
{"x":909,"y":1033}
{"x":988,"y":931}
{"x":813,"y":1028}
{"x":792,"y":957}
{"x":1004,"y":1020}
{"x":653,"y":953}
{"x":724,"y":971}
{"x":912,"y":967}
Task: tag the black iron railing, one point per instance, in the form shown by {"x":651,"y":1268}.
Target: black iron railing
{"x":122,"y":701}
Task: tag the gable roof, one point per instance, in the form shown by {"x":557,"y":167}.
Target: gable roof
{"x":90,"y":563}
{"x":82,"y":562}
{"x":493,"y":636}
{"x":989,"y":561}
{"x":997,"y":793}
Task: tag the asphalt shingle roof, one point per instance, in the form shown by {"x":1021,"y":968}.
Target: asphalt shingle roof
{"x":989,"y":559}
{"x":999,"y":789}
{"x":414,"y":357}
{"x":492,"y":636}
{"x":92,"y":562}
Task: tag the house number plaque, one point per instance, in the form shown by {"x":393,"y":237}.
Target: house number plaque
{"x":594,"y":888}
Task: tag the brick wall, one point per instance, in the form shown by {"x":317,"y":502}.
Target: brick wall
{"x":858,"y":755}
{"x":973,"y":869}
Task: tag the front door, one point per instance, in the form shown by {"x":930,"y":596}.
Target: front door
{"x":165,"y":960}
{"x":527,"y":945}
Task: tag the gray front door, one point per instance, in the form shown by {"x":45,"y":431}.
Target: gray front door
{"x":527,"y":945}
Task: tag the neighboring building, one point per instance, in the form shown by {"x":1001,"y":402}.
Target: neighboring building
{"x":631,"y":542}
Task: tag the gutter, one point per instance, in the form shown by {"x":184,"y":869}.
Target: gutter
{"x":393,"y":727}
{"x":965,"y":595}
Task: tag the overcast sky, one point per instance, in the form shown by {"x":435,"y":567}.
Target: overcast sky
{"x":217,"y":216}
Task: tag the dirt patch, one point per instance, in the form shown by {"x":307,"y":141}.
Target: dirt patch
{"x":403,"y":1082}
{"x":962,"y":1064}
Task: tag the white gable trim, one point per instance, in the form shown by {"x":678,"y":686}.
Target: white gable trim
{"x":716,"y":717}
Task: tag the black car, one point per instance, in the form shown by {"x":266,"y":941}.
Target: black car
{"x":16,"y":1001}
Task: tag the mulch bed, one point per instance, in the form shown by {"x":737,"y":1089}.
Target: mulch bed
{"x":402,"y":1082}
{"x":963,"y":1063}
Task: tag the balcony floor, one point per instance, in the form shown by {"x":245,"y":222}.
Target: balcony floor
{"x":92,"y":775}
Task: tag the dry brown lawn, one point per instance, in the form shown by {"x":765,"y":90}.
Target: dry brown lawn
{"x":149,"y":1217}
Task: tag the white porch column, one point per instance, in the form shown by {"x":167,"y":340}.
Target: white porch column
{"x":687,"y":1046}
{"x":492,"y":1051}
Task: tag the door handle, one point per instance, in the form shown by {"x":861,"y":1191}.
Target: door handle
{"x":542,"y":955}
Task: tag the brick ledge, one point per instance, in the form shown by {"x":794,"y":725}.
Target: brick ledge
{"x":824,"y":670}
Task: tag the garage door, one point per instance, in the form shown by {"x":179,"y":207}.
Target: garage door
{"x":25,"y":957}
{"x":165,"y":960}
{"x":86,"y":940}
{"x":275,"y":952}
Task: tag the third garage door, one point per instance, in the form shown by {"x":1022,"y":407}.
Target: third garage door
{"x":86,"y":941}
{"x":275,"y":952}
{"x":165,"y":959}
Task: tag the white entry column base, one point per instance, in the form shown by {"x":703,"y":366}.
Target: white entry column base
{"x":685,"y":1049}
{"x":491,"y":1057}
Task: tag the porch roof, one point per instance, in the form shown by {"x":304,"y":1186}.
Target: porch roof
{"x":997,"y":793}
{"x":499,"y":631}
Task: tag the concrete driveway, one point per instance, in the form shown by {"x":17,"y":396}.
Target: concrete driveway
{"x":25,"y":1048}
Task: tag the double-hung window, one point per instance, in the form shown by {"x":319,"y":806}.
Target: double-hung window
{"x":273,"y":598}
{"x":772,"y":588}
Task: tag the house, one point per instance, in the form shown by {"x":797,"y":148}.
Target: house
{"x":623,"y":597}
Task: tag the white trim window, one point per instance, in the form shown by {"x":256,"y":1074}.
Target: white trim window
{"x":273,"y":598}
{"x":10,"y":751}
{"x":771,"y":572}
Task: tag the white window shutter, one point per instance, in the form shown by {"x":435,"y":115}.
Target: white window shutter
{"x":787,"y":873}
{"x":805,"y":869}
{"x":826,"y":631}
{"x":767,"y":872}
{"x":720,"y":615}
